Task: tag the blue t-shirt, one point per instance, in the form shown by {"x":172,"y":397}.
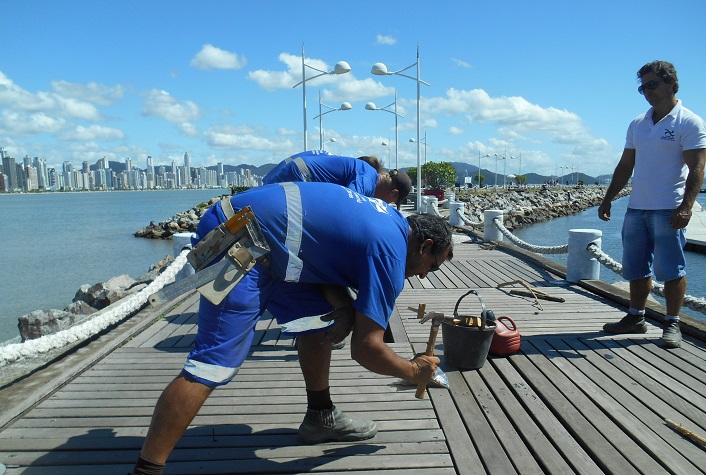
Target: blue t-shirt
{"x":323,"y":233}
{"x":322,"y":166}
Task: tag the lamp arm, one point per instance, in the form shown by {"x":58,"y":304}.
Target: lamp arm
{"x":312,"y":77}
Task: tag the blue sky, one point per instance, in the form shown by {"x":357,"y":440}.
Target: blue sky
{"x":552,"y":82}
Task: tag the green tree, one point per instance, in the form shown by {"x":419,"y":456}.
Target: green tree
{"x":481,"y":177}
{"x":439,"y":175}
{"x":412,"y":172}
{"x":520,"y":179}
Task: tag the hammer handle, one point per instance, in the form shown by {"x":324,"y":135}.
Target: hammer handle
{"x":421,"y":387}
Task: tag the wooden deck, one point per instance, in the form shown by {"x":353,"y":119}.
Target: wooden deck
{"x":572,"y":401}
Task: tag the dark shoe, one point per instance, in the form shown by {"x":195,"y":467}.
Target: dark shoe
{"x":332,"y":424}
{"x":338,"y":346}
{"x":671,"y":337}
{"x":628,"y":324}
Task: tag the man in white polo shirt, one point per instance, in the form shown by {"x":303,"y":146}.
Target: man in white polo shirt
{"x":666,"y":150}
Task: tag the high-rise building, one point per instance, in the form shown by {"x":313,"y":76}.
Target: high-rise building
{"x":68,"y":176}
{"x":9,"y":168}
{"x":187,"y":170}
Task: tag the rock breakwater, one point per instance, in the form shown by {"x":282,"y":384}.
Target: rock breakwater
{"x":184,"y":222}
{"x":524,"y":207}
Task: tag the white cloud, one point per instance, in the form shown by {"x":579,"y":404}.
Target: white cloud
{"x":461,"y":63}
{"x":93,"y":132}
{"x":385,"y":40}
{"x":243,"y":138}
{"x":160,"y":103}
{"x":21,"y":123}
{"x":455,"y":131}
{"x":211,"y":57}
{"x":92,"y":92}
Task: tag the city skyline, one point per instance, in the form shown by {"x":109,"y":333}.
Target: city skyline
{"x":552,"y":82}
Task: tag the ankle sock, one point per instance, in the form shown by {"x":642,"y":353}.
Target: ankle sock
{"x":319,"y":400}
{"x":634,"y":311}
{"x":671,"y":318}
{"x":145,"y":467}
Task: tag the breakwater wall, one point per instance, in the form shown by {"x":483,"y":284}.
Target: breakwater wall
{"x":528,"y":206}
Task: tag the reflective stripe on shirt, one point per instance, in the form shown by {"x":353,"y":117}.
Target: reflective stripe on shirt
{"x":306,"y":174}
{"x":295,"y":223}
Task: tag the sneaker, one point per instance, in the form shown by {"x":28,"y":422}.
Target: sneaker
{"x":628,"y":324}
{"x":671,"y":337}
{"x":332,"y":424}
{"x":338,"y":346}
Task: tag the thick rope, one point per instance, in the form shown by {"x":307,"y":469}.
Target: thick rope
{"x":693,"y":303}
{"x":467,"y":221}
{"x":96,"y":324}
{"x":519,"y":242}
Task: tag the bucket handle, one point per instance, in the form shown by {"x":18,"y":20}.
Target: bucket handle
{"x":503,"y":317}
{"x":482,"y":304}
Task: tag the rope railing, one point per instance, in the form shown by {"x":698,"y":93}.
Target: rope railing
{"x":531,"y":247}
{"x":95,"y":324}
{"x":467,"y":221}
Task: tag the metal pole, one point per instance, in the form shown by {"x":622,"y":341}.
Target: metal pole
{"x":478,"y":168}
{"x":304,"y":96}
{"x":321,"y":130}
{"x":396,"y":140}
{"x":419,"y":150}
{"x":504,"y":168}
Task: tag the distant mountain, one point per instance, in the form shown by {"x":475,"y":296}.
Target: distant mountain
{"x":469,"y":170}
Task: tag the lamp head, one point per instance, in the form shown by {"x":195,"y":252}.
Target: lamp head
{"x":346,"y":106}
{"x":371,"y":106}
{"x":379,"y":69}
{"x":412,"y":140}
{"x":341,"y":67}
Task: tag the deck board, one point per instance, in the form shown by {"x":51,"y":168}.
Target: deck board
{"x":573,"y":400}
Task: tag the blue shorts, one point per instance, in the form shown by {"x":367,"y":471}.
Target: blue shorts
{"x":651,"y":246}
{"x":225,"y":331}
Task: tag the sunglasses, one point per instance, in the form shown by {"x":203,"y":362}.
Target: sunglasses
{"x":436,"y":264}
{"x":650,"y":86}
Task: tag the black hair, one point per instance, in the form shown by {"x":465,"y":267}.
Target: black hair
{"x":665,"y":70}
{"x":427,"y":226}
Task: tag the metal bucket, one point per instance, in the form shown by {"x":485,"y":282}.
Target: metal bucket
{"x":467,"y":347}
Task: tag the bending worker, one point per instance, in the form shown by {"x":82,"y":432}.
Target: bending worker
{"x":363,"y":174}
{"x":307,"y":238}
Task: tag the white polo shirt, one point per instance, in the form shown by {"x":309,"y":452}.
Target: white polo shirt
{"x":660,"y":172}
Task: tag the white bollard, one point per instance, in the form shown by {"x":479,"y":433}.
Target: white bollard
{"x":425,"y":205}
{"x":454,"y":210}
{"x":433,"y":205}
{"x":490,"y":230}
{"x":449,"y":198}
{"x":182,"y":241}
{"x":581,"y":264}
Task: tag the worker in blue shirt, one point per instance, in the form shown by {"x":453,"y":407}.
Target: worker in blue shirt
{"x":307,"y":237}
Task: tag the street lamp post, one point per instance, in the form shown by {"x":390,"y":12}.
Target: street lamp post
{"x":331,"y":140}
{"x":424,"y":141}
{"x":479,"y":157}
{"x":340,"y":67}
{"x":380,"y":69}
{"x":372,"y":107}
{"x":387,"y":144}
{"x":346,"y":106}
{"x":500,"y":157}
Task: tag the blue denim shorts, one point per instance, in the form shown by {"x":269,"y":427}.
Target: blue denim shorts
{"x":226,"y":331}
{"x":651,"y":246}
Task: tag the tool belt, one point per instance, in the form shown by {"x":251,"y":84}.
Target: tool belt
{"x":241,"y":238}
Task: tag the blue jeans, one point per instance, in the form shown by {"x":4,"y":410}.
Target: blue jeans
{"x":651,"y":246}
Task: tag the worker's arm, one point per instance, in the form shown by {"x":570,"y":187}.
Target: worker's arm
{"x":371,"y":352}
{"x":621,"y":176}
{"x":695,"y":160}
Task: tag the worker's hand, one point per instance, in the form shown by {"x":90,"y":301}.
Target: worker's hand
{"x":344,"y":318}
{"x":680,"y":218}
{"x":604,"y":211}
{"x":424,"y":368}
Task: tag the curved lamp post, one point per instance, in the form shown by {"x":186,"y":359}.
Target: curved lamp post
{"x":424,"y":142}
{"x":372,"y":107}
{"x":346,"y":106}
{"x":479,"y":157}
{"x":341,"y":67}
{"x":379,"y":69}
{"x":500,"y":157}
{"x":387,"y":144}
{"x":331,"y":140}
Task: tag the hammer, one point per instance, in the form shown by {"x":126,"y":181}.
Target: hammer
{"x":436,"y":319}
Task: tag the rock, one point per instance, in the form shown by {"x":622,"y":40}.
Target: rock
{"x":184,"y":222}
{"x":105,"y":293}
{"x":44,"y":322}
{"x":80,"y":308}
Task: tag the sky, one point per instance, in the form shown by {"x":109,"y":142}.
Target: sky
{"x":548,"y":86}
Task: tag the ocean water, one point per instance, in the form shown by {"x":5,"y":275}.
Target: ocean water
{"x":556,"y":232}
{"x":52,"y":243}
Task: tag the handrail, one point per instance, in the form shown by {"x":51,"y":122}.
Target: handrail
{"x":95,"y":324}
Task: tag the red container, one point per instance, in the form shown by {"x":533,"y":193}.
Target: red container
{"x":438,"y":193}
{"x":506,"y":340}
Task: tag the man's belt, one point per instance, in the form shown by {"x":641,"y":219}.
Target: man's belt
{"x":241,"y":238}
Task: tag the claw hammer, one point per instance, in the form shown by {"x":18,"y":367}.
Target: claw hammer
{"x":436,"y":319}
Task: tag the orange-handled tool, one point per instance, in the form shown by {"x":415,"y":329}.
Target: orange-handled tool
{"x":435,"y":323}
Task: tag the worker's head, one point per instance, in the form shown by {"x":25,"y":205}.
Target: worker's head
{"x":393,"y":187}
{"x":373,"y":161}
{"x":430,"y":243}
